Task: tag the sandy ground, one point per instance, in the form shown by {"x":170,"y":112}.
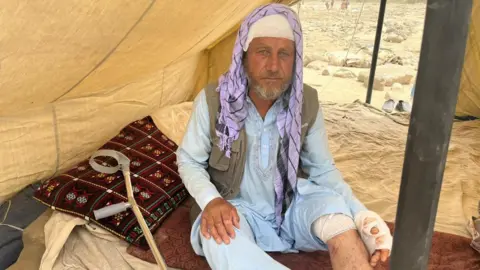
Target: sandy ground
{"x":328,"y":32}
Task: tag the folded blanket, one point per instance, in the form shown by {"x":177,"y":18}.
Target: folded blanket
{"x":73,"y":243}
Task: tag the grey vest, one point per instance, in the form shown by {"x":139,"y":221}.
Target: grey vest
{"x":226,"y":173}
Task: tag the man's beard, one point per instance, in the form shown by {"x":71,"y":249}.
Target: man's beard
{"x":272,"y":93}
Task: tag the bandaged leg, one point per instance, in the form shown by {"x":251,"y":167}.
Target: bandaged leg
{"x":373,"y":231}
{"x":321,"y":220}
{"x":329,"y":226}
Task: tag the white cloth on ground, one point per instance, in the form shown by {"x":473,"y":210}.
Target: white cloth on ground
{"x":72,"y":244}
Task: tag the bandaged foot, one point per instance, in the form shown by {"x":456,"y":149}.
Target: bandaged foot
{"x":474,"y":229}
{"x":373,"y":231}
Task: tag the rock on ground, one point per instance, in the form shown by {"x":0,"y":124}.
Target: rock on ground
{"x":337,"y":59}
{"x":363,"y":76}
{"x":344,"y":73}
{"x":384,"y":56}
{"x":378,"y":84}
{"x":317,"y":65}
{"x":394,"y":38}
{"x":313,"y":57}
{"x":348,"y":59}
{"x":387,"y":75}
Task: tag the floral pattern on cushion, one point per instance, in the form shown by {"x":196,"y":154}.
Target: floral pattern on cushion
{"x":157,"y":186}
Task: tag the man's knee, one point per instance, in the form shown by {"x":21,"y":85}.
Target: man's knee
{"x":244,"y":232}
{"x":329,"y":226}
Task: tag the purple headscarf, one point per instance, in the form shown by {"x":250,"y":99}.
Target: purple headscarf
{"x":231,"y":118}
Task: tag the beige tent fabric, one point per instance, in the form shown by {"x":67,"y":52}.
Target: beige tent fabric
{"x":40,"y":141}
{"x":74,"y":73}
{"x":369,"y":150}
{"x":469,"y":93}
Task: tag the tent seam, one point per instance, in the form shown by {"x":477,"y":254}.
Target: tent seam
{"x":57,"y":139}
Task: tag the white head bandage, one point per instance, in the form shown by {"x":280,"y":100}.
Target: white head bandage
{"x":276,"y":26}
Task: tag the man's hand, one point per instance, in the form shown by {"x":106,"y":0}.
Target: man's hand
{"x":218,"y":219}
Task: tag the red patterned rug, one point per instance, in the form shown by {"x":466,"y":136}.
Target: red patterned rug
{"x":449,"y":252}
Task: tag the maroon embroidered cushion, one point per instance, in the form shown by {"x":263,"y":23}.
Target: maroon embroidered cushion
{"x":157,"y":186}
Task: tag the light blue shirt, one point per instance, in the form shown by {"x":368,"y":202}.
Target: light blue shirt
{"x":257,"y":188}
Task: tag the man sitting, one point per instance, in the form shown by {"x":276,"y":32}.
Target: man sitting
{"x":256,"y":160}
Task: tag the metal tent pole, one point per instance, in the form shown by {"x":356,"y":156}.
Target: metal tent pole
{"x":441,"y":61}
{"x":376,"y":48}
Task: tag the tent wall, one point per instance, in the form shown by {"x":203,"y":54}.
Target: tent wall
{"x":220,"y":57}
{"x":469,"y":95}
{"x":73,"y":73}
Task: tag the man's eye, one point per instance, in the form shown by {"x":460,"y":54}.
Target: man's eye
{"x":284,"y":54}
{"x":263,"y":52}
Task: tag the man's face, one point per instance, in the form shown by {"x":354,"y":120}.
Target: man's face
{"x":269,"y":65}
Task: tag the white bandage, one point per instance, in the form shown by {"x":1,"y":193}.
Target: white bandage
{"x":329,"y":226}
{"x":276,"y":26}
{"x":384,"y":236}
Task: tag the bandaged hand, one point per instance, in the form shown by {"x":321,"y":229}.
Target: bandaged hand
{"x":375,"y":234}
{"x":218,"y":220}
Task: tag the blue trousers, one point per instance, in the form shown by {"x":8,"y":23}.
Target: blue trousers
{"x":258,"y":235}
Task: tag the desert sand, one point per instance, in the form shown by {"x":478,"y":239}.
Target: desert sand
{"x":338,"y":45}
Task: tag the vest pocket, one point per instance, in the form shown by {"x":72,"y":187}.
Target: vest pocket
{"x":218,"y":160}
{"x":220,"y":174}
{"x":222,"y":169}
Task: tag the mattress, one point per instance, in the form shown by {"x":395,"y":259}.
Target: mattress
{"x":368,"y":147}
